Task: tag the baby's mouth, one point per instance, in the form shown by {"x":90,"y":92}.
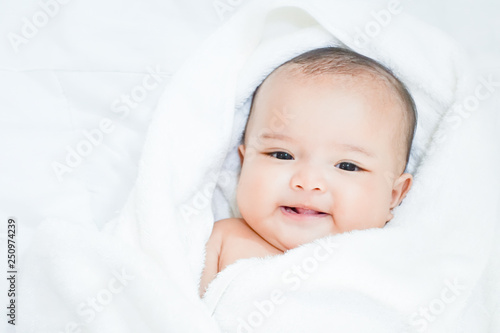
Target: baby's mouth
{"x":302,"y":211}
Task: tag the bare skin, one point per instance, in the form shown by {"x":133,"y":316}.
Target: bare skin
{"x":232,"y":239}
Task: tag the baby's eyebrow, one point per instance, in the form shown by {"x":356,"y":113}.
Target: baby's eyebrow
{"x":276,"y":136}
{"x":354,"y":148}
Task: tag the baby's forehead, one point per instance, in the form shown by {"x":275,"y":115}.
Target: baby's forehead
{"x":365,"y":84}
{"x":297,"y":91}
{"x":290,"y":79}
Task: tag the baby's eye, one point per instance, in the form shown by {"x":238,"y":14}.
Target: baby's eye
{"x":281,"y":155}
{"x":348,"y":166}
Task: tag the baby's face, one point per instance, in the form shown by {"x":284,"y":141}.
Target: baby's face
{"x":321,"y":157}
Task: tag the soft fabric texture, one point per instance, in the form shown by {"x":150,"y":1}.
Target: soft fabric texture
{"x":433,"y":268}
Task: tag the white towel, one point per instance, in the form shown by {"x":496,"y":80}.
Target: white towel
{"x":434,"y":268}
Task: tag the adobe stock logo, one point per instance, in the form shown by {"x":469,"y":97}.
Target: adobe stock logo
{"x":464,"y":108}
{"x":225,"y":7}
{"x":31,"y":27}
{"x":89,"y":309}
{"x":292,"y":279}
{"x":381,"y":19}
{"x":122,"y":106}
{"x":426,"y":315}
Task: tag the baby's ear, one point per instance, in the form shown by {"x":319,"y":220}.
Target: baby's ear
{"x":401,"y":187}
{"x":241,"y":151}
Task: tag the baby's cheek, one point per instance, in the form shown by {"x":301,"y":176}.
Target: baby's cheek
{"x":242,"y":192}
{"x":353,"y":192}
{"x":248,"y":191}
{"x":356,"y":205}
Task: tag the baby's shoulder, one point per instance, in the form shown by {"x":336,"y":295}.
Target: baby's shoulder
{"x":224,"y":230}
{"x":230,"y":226}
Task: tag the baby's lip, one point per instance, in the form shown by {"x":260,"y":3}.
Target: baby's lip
{"x":301,"y":210}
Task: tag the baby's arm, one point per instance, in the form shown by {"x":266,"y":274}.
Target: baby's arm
{"x":213,"y":249}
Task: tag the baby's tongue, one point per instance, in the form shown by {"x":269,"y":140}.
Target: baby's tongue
{"x":306,"y":211}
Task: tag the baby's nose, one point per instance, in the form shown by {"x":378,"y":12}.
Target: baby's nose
{"x":308,"y":179}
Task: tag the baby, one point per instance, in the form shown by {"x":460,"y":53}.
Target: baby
{"x":324,"y":151}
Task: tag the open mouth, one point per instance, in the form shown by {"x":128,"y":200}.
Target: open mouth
{"x":298,"y":211}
